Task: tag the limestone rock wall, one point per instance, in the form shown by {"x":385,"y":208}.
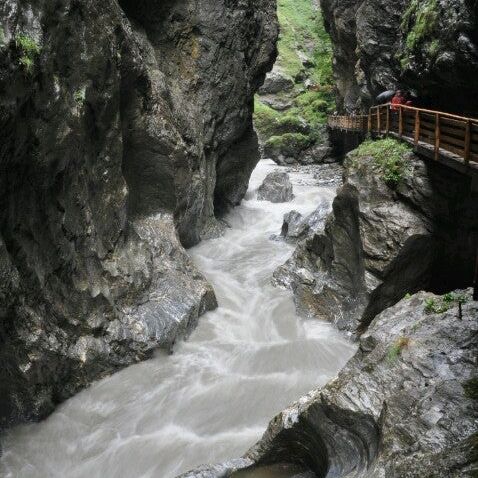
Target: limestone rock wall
{"x":382,"y":242}
{"x":122,"y":125}
{"x":429,"y":46}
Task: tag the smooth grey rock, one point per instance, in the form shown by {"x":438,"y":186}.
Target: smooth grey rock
{"x":276,"y":81}
{"x":276,"y":188}
{"x":403,"y":407}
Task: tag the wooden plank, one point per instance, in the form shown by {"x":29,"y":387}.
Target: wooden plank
{"x":417,"y":127}
{"x":445,"y":139}
{"x":400,"y":121}
{"x":388,"y":120}
{"x":437,"y":135}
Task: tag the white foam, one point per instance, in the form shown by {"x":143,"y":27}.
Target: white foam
{"x":213,"y":398}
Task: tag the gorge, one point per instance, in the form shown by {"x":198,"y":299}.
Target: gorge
{"x":139,"y":224}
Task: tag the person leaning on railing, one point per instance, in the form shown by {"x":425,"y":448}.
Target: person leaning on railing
{"x":400,"y":98}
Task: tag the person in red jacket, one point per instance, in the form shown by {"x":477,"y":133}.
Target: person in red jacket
{"x":398,"y":99}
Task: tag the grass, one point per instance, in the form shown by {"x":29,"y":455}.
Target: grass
{"x":389,"y":156}
{"x":446,"y":302}
{"x":29,"y":50}
{"x":301,"y":25}
{"x":80,"y":96}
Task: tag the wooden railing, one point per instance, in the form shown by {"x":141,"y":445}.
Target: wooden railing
{"x":454,"y":134}
{"x":349,"y":123}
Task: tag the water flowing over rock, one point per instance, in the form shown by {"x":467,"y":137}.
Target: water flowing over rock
{"x":125,"y":126}
{"x":404,"y":407}
{"x":428,"y":46}
{"x":276,"y":188}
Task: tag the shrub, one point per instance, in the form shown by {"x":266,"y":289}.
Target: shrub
{"x":445,"y":303}
{"x":389,"y":156}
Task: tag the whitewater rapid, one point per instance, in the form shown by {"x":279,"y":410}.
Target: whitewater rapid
{"x":212,"y":399}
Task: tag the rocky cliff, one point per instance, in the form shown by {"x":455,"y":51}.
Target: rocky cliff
{"x":429,"y":46}
{"x":399,"y":225}
{"x":126,"y":127}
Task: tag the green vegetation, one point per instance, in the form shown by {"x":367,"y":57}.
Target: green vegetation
{"x":80,"y":96}
{"x":2,"y":36}
{"x":301,"y":25}
{"x":389,"y":156}
{"x":420,"y":25}
{"x":302,"y":36}
{"x":446,"y":302}
{"x":29,"y":49}
{"x":289,"y":143}
{"x":396,"y":349}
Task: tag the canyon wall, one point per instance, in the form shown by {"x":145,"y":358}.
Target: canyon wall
{"x":430,"y":47}
{"x":126,"y":127}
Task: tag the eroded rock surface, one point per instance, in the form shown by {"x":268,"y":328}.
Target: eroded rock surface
{"x":382,"y":242}
{"x":276,"y":188}
{"x":125,"y":126}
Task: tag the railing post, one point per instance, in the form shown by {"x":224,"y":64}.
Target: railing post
{"x":467,"y":142}
{"x":437,"y":136}
{"x":417,"y":127}
{"x":400,"y":121}
{"x":370,"y":121}
{"x":388,"y":120}
{"x":379,"y":120}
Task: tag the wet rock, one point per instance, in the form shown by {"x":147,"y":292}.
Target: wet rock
{"x":275,"y":82}
{"x":276,"y":188}
{"x":380,"y":243}
{"x":295,"y":227}
{"x":404,"y":406}
{"x":380,"y":45}
{"x":124,"y":133}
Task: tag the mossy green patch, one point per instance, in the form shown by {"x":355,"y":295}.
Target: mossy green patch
{"x":29,"y":50}
{"x":388,"y":155}
{"x":289,"y":141}
{"x":420,"y":25}
{"x":302,"y":34}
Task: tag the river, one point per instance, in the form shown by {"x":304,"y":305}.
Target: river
{"x":212,"y":399}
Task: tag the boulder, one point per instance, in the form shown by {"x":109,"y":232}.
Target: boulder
{"x":276,"y":81}
{"x":276,"y":188}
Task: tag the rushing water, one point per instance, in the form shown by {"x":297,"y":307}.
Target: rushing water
{"x":213,"y":398}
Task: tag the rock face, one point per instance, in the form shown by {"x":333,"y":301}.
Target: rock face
{"x":125,"y":126}
{"x":429,"y":46}
{"x":382,"y":242}
{"x":276,"y":187}
{"x":404,"y":407}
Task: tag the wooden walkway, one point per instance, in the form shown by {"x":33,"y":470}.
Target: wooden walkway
{"x":449,"y":139}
